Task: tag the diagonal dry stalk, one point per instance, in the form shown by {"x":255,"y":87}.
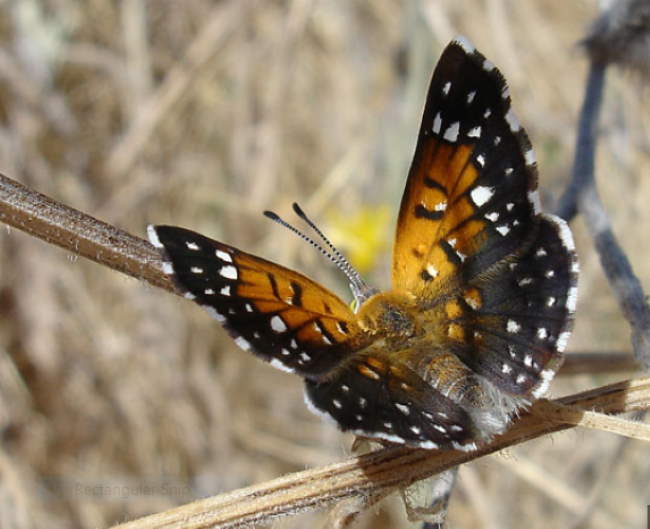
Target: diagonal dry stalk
{"x":379,"y":472}
{"x":56,"y":223}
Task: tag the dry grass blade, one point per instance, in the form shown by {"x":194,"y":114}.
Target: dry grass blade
{"x":590,"y":419}
{"x":575,"y":363}
{"x":219,"y":23}
{"x":372,"y":473}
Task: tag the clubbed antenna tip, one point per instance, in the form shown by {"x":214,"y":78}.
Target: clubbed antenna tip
{"x":271,"y":215}
{"x":298,"y":210}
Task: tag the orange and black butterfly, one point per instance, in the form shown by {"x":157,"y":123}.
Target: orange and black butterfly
{"x":483,"y":285}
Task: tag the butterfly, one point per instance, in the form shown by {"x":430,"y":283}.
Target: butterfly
{"x":484,"y":285}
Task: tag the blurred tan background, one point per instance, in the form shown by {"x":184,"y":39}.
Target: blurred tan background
{"x":117,"y":399}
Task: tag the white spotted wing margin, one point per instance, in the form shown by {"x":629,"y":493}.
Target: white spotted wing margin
{"x":471,"y":220}
{"x":276,"y":313}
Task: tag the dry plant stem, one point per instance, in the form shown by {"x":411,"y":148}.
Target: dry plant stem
{"x":79,"y":233}
{"x":582,"y":174}
{"x":373,"y":473}
{"x":589,"y":419}
{"x":581,"y":363}
{"x":583,"y":194}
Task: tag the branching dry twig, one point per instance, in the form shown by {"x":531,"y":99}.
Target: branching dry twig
{"x":582,"y":195}
{"x":378,"y":471}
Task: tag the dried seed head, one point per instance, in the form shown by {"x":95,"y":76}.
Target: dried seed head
{"x":621,"y":35}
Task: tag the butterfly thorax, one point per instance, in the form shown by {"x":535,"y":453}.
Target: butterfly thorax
{"x":392,"y":315}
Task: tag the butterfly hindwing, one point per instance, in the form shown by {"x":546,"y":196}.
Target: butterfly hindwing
{"x":280,"y":315}
{"x":373,"y":396}
{"x":470,"y":198}
{"x":522,"y":314}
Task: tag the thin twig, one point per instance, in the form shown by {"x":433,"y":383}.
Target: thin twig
{"x":373,"y":473}
{"x":621,"y":276}
{"x":47,"y":219}
{"x":594,"y":420}
{"x":582,"y":174}
{"x":581,"y":363}
{"x":582,"y":195}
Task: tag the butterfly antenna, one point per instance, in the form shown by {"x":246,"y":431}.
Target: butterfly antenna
{"x":360,"y":289}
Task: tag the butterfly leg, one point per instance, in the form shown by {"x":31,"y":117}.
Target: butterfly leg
{"x":429,"y":499}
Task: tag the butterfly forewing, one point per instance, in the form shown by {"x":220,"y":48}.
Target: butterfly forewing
{"x":470,"y":197}
{"x":281,"y":315}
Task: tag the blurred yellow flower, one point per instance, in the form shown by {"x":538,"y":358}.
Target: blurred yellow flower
{"x":362,"y":236}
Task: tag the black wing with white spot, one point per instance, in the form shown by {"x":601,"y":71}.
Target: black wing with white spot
{"x":524,"y":314}
{"x":484,"y":285}
{"x":281,"y":315}
{"x":373,"y":396}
